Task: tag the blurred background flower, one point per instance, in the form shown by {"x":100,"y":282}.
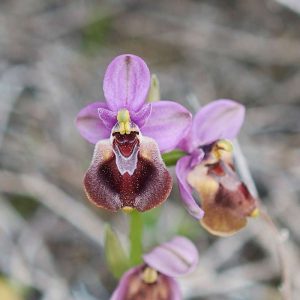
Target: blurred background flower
{"x":53,"y":55}
{"x":154,"y":279}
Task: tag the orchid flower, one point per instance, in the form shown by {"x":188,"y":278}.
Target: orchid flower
{"x":208,"y":169}
{"x":127,"y":170}
{"x":155,"y":278}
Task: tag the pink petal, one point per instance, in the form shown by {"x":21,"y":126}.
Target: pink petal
{"x":176,"y":292}
{"x":182,"y":169}
{"x":220,"y":119}
{"x":142,"y":116}
{"x":167,"y":124}
{"x":108,"y":117}
{"x":90,"y":125}
{"x":188,"y":143}
{"x":175,"y":258}
{"x":126,"y":83}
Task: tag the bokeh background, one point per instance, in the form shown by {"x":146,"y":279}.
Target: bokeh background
{"x":53,"y":54}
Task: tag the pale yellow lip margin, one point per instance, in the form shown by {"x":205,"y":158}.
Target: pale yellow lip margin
{"x":222,"y":233}
{"x":127,"y":209}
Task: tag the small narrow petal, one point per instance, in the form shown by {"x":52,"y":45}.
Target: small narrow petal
{"x":126,"y":83}
{"x":108,"y":117}
{"x":175,"y":258}
{"x":137,"y":178}
{"x":168,"y":123}
{"x":141,"y":117}
{"x":182,"y":170}
{"x":132,"y":287}
{"x":89,"y":125}
{"x":220,"y":119}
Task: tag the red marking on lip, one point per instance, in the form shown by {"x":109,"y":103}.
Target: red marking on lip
{"x":238,"y":199}
{"x":216,"y":169}
{"x":126,"y":142}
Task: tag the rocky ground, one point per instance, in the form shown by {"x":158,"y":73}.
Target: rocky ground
{"x":52,"y":59}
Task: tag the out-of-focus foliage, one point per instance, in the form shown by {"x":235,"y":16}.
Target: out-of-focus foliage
{"x":116,"y":256}
{"x":95,"y":34}
{"x":8,"y":291}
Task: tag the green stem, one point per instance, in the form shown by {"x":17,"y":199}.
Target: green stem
{"x":136,"y":237}
{"x":171,"y":158}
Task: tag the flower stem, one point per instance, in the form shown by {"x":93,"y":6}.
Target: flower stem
{"x":171,"y":158}
{"x":277,"y":234}
{"x":282,"y":255}
{"x":136,"y":237}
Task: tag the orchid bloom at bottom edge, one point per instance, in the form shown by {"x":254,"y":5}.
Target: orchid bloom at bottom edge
{"x":127,"y":171}
{"x":209,"y":170}
{"x":154,"y":280}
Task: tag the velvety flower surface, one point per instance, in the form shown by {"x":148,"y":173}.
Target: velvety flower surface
{"x":155,"y":278}
{"x":208,"y":169}
{"x":127,"y":169}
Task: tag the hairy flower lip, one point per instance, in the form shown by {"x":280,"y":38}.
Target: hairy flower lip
{"x":224,"y":198}
{"x":113,"y":181}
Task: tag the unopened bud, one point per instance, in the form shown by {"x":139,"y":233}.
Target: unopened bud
{"x":154,"y":91}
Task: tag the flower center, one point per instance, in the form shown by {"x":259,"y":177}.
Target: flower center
{"x":220,"y":146}
{"x":124,"y":121}
{"x":149,"y":275}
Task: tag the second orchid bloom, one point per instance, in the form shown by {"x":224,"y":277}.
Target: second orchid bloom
{"x":209,"y":170}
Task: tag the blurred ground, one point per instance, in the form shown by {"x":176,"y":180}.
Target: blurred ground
{"x":53,"y":55}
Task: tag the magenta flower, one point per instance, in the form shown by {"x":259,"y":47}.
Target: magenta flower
{"x":208,"y":169}
{"x":155,"y":278}
{"x":127,"y":170}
